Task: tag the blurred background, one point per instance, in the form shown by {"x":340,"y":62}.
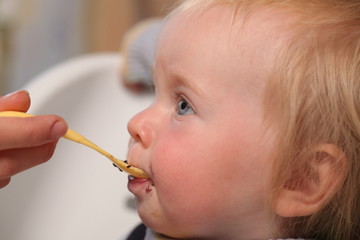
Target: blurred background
{"x":36,"y":34}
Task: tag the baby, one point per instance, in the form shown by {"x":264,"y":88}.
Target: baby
{"x":255,"y":129}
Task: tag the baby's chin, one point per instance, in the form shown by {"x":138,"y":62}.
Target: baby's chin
{"x":149,"y":211}
{"x":153,"y":215}
{"x":159,"y":225}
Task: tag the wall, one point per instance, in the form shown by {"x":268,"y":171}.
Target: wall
{"x":42,"y":33}
{"x":111,"y":18}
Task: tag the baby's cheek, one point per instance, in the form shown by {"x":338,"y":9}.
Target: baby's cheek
{"x":180,"y":188}
{"x":169,"y":160}
{"x":171,"y":173}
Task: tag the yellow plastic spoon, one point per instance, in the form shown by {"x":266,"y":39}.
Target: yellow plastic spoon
{"x":76,"y":137}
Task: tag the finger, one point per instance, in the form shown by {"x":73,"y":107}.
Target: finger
{"x":4,"y":183}
{"x":31,"y":131}
{"x":18,"y":101}
{"x":17,"y":160}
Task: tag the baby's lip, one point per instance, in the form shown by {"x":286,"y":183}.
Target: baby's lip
{"x":133,"y":179}
{"x":136,"y":180}
{"x":138,"y":185}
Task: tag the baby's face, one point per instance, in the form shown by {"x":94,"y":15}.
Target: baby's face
{"x":202,"y":141}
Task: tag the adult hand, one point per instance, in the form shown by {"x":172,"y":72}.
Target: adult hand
{"x":25,"y":142}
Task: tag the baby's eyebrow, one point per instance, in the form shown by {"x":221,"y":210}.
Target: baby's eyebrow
{"x":187,"y":82}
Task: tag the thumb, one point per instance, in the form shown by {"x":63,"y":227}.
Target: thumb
{"x":30,"y":132}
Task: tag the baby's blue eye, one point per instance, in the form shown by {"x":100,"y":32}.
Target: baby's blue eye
{"x":184,"y":108}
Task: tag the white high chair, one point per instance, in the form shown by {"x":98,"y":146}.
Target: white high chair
{"x":78,"y":194}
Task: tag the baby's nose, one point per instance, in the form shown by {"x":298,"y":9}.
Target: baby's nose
{"x":141,"y":129}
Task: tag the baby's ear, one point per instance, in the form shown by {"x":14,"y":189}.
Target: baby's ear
{"x":310,"y":188}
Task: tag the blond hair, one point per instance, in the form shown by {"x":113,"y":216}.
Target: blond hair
{"x":313,"y":96}
{"x":315,"y":93}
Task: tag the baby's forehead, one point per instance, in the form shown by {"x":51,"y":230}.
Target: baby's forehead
{"x":253,"y":38}
{"x":225,"y":22}
{"x":230,"y":15}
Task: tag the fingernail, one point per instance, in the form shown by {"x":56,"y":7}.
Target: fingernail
{"x":58,"y":129}
{"x":14,"y":93}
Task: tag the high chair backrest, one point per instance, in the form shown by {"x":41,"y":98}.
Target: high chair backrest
{"x":78,"y":194}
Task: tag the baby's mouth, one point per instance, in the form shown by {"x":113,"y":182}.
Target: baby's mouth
{"x":147,"y":183}
{"x":133,"y":179}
